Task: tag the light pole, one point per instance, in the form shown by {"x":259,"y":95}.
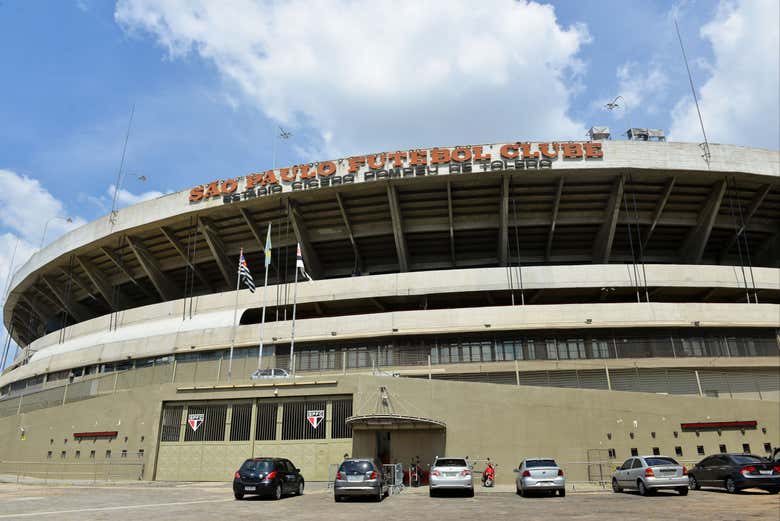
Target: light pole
{"x":283,"y":134}
{"x":114,"y":211}
{"x":46,"y":226}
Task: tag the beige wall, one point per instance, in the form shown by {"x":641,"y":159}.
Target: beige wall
{"x":524,"y":422}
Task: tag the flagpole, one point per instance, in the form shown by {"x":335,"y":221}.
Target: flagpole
{"x":292,"y":337}
{"x":265,"y":287}
{"x":235,"y":316}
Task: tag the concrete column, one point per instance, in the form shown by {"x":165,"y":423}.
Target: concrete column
{"x":698,"y":382}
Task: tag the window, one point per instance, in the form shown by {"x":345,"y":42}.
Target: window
{"x":342,"y":409}
{"x":611,"y":453}
{"x":654,"y":462}
{"x":108,"y":454}
{"x":48,"y":455}
{"x":767,"y":447}
{"x":746,"y":448}
{"x":213,"y":426}
{"x":656,"y":451}
{"x":265,"y":424}
{"x":295,"y":423}
{"x":140,"y":454}
{"x":700,"y":450}
{"x":637,"y":463}
{"x":171,"y":423}
{"x":634,"y":452}
{"x":678,"y":451}
{"x":723,"y":448}
{"x":124,"y":454}
{"x":63,"y":454}
{"x":78,"y":454}
{"x":92,"y":454}
{"x":240,"y":422}
{"x":626,"y":464}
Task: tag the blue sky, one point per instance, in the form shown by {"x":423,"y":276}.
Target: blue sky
{"x":212,"y":81}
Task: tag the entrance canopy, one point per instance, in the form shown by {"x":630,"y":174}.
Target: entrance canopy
{"x":386,"y":422}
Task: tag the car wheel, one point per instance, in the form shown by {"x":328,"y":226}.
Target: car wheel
{"x":693,"y":484}
{"x":683,"y":491}
{"x":277,"y":494}
{"x":238,"y":495}
{"x":337,"y":498}
{"x":517,"y":489}
{"x":470,"y":492}
{"x":431,"y":493}
{"x":300,"y":489}
{"x":562,"y":492}
{"x":615,"y":487}
{"x":773,"y":490}
{"x":643,"y":490}
{"x":731,"y":486}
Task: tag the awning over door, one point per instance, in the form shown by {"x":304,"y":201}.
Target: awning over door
{"x":385,"y":422}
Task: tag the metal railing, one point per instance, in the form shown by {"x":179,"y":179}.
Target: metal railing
{"x":89,"y":471}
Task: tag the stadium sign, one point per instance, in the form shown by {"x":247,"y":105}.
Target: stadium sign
{"x":399,"y":164}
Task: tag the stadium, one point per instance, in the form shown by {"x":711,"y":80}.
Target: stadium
{"x":579,"y":300}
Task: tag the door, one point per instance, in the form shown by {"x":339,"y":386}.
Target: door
{"x":291,"y":477}
{"x":720,"y":470}
{"x":635,"y":473}
{"x":622,"y":474}
{"x":383,"y":447}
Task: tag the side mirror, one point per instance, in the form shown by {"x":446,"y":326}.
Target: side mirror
{"x":515,"y":470}
{"x":298,"y":470}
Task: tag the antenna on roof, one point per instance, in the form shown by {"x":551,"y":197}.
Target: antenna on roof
{"x":113,"y":214}
{"x":704,"y":146}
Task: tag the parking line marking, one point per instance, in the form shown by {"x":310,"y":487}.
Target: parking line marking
{"x":103,"y":509}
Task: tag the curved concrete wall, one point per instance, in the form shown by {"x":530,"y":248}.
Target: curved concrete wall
{"x":647,"y":156}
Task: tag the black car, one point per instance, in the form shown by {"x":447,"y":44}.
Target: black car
{"x":735,"y":472}
{"x":270,"y":477}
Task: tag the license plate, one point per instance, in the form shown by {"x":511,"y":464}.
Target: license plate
{"x":765,"y":472}
{"x":249,"y":489}
{"x":543,"y":483}
{"x":450,"y":474}
{"x":354,"y":478}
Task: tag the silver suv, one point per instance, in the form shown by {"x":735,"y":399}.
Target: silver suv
{"x":451,"y":474}
{"x":650,"y":473}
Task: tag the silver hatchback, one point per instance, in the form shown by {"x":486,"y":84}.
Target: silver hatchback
{"x":360,"y":477}
{"x":540,"y":474}
{"x":451,"y":474}
{"x":650,"y":473}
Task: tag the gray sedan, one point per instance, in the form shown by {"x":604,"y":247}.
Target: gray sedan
{"x":451,"y":474}
{"x":650,"y":473}
{"x":540,"y":474}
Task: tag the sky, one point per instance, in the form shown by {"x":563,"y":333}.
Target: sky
{"x":210,"y":82}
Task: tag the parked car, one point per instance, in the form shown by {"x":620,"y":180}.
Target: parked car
{"x":735,"y":472}
{"x":540,"y":474}
{"x":271,"y":477}
{"x":451,"y":474}
{"x":264,"y":374}
{"x":650,"y":473}
{"x":360,"y":477}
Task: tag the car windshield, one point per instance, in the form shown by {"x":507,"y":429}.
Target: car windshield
{"x":744,"y":460}
{"x":450,"y":462}
{"x":356,"y":467}
{"x":652,"y":462}
{"x":258,"y":465}
{"x":531,"y":463}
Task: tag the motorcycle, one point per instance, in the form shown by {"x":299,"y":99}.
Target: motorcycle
{"x":489,"y":475}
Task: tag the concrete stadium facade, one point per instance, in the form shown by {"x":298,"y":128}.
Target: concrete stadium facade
{"x":586,"y":300}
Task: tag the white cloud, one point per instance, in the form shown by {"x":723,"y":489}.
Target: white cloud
{"x":28,"y":209}
{"x":373,"y":75}
{"x":640,"y":86}
{"x":739,"y":102}
{"x":126,"y":198}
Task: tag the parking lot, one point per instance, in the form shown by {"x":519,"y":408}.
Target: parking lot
{"x":214,"y":501}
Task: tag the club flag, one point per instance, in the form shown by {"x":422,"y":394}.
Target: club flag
{"x":268,"y":247}
{"x":299,"y":257}
{"x":243,"y":273}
